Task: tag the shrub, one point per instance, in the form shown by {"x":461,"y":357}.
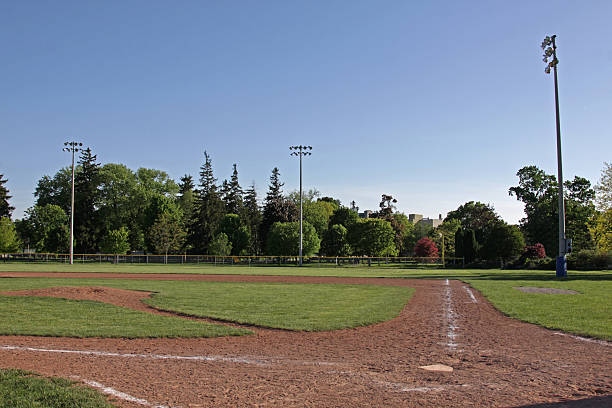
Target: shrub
{"x":589,"y":259}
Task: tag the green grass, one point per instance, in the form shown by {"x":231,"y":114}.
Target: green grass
{"x":589,"y":313}
{"x":290,"y":306}
{"x":22,"y":389}
{"x":586,"y":314}
{"x":287,"y":306}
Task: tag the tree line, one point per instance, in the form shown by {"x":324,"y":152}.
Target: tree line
{"x":119,"y":210}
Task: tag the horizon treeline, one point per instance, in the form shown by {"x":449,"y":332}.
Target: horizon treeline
{"x":118,"y":210}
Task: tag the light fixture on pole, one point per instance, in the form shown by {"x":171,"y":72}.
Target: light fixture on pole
{"x":72,"y":147}
{"x":550,"y":52}
{"x":300,"y":151}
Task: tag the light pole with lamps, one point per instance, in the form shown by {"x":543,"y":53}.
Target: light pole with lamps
{"x":72,"y":147}
{"x":550,"y":52}
{"x":300,"y":151}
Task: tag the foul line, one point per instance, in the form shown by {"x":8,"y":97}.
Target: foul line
{"x":450,"y":316}
{"x":118,"y":394}
{"x":602,"y":342}
{"x":469,"y":291}
{"x":148,"y":356}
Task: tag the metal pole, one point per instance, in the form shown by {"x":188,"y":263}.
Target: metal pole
{"x":561,"y":260}
{"x":72,"y":214}
{"x":301,"y":198}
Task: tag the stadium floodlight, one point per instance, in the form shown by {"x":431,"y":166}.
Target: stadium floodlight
{"x":550,"y":53}
{"x":72,"y":147}
{"x":300,"y":151}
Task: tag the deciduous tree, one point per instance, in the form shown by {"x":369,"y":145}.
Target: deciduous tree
{"x":284,"y":239}
{"x":8,"y":236}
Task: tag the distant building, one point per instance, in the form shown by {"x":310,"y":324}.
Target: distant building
{"x":366,"y":214}
{"x":418,"y":219}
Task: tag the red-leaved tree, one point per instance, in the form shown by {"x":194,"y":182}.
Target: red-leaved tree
{"x":534,"y":251}
{"x":426,"y":248}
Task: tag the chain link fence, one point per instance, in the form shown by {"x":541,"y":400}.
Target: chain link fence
{"x":311,"y":261}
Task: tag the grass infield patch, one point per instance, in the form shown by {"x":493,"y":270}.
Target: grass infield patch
{"x":286,"y":306}
{"x":22,"y":389}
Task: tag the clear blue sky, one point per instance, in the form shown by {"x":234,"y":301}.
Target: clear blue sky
{"x":436,"y":103}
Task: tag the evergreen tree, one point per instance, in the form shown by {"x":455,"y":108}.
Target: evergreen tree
{"x":5,"y":208}
{"x":187,"y":197}
{"x":186,"y":184}
{"x":276,"y":208}
{"x":251,"y":216}
{"x":233,"y":195}
{"x":87,"y":226}
{"x":459,"y":253}
{"x":208,"y":210}
{"x":470,"y":245}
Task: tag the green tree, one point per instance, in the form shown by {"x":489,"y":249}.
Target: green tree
{"x":317,"y":214}
{"x":344,"y":216}
{"x":167,"y":234}
{"x":538,"y":191}
{"x":476,"y":216}
{"x":56,"y":190}
{"x":220,"y":245}
{"x":372,"y":237}
{"x":45,"y":229}
{"x":470,"y":245}
{"x":277,"y":208}
{"x":447,"y":229}
{"x":603,"y":189}
{"x":87,"y":223}
{"x":335,"y":242}
{"x":601,"y":230}
{"x":505,"y":242}
{"x":5,"y":208}
{"x":116,"y":242}
{"x":238,"y":234}
{"x":209,"y":210}
{"x":233,"y":196}
{"x":284,"y":239}
{"x":186,"y":197}
{"x":8,"y":236}
{"x":252,"y":217}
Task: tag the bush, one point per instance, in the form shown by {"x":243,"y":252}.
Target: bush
{"x":589,"y":259}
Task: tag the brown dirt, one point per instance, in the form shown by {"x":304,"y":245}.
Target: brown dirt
{"x":496,"y":361}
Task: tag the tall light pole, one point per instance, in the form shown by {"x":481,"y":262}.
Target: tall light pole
{"x":300,"y":151}
{"x":550,"y":52}
{"x":72,"y":147}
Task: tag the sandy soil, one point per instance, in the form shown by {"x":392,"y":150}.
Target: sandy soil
{"x":496,"y":361}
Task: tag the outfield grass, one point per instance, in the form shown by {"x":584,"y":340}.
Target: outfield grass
{"x":22,"y":389}
{"x":589,"y":313}
{"x":287,"y":306}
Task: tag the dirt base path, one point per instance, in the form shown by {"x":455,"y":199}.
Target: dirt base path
{"x":496,"y":361}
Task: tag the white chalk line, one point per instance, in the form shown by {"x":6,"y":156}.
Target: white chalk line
{"x":469,"y":291}
{"x":450,"y":317}
{"x":586,"y":339}
{"x":241,"y":360}
{"x":237,"y":360}
{"x":118,"y":394}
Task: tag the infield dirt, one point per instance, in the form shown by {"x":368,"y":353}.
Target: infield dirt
{"x":496,"y":361}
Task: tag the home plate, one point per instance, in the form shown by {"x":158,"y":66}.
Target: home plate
{"x":438,"y":367}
